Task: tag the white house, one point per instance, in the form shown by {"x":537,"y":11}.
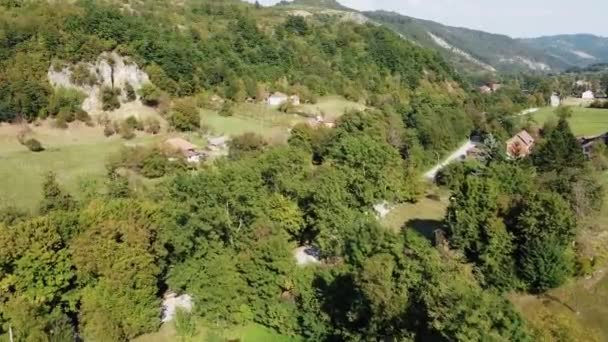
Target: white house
{"x":588,"y":95}
{"x":277,"y":99}
{"x":555,"y":100}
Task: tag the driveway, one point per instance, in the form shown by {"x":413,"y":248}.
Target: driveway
{"x":460,"y":153}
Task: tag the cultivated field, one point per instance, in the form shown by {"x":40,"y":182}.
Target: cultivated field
{"x":584,"y":121}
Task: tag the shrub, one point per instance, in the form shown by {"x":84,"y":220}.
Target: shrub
{"x":126,"y":132}
{"x":65,"y":101}
{"x":60,"y":122}
{"x":152,"y":125}
{"x":130,"y":92}
{"x":109,"y":98}
{"x":33,"y":145}
{"x":246,"y":143}
{"x":109,"y":130}
{"x":81,"y":75}
{"x":82,"y":116}
{"x":227,"y":109}
{"x":134,"y":123}
{"x":150,"y":95}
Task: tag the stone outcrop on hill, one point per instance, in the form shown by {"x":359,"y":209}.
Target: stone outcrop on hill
{"x":110,"y":69}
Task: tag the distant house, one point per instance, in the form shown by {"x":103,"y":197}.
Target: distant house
{"x":520,"y":145}
{"x":185,"y":148}
{"x":485,"y":89}
{"x":582,"y":83}
{"x":555,"y":100}
{"x":495,"y":86}
{"x":277,"y":99}
{"x":588,"y":95}
{"x":217,"y":146}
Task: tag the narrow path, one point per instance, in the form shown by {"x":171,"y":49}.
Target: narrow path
{"x":458,"y":154}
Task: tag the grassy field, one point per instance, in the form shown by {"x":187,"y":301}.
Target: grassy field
{"x":584,"y":121}
{"x":249,"y":333}
{"x":271,"y":123}
{"x":75,"y":154}
{"x":424,"y":216}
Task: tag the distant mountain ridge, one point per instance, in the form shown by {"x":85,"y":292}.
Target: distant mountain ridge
{"x":477,"y":51}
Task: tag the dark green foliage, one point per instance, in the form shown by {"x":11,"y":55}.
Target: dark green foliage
{"x":130,"y":92}
{"x":66,"y":103}
{"x":53,"y":197}
{"x":33,"y":145}
{"x":560,"y":150}
{"x":296,"y":24}
{"x":150,"y":95}
{"x":245,"y":144}
{"x":109,"y":98}
{"x":185,"y":115}
{"x":149,"y":162}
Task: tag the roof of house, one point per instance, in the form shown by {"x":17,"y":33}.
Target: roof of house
{"x":218,"y":141}
{"x":278,"y":94}
{"x":181,"y":144}
{"x":524,"y":137}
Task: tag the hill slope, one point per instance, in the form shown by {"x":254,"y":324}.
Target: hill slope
{"x":478,"y":51}
{"x":576,"y":50}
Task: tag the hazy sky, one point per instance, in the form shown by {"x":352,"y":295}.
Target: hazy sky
{"x":518,"y":18}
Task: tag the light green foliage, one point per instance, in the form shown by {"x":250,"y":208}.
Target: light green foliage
{"x":117,"y":255}
{"x":150,"y":94}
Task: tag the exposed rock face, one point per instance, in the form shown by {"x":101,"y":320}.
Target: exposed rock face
{"x":110,"y":70}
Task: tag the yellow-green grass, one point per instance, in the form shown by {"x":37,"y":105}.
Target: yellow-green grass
{"x":249,"y":333}
{"x":584,"y":121}
{"x":424,"y":216}
{"x":75,"y":154}
{"x":332,"y":106}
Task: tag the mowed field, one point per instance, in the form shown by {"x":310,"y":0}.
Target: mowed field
{"x":80,"y":153}
{"x":76,"y":154}
{"x":584,"y":121}
{"x":249,"y":333}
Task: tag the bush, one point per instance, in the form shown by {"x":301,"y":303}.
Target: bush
{"x":109,"y":130}
{"x":150,"y":95}
{"x":185,"y":115}
{"x":130,"y":92}
{"x":81,"y":75}
{"x":66,"y":102}
{"x":60,"y":122}
{"x":109,"y":98}
{"x":134,"y":123}
{"x":245,"y":143}
{"x":33,"y":145}
{"x":227,"y":109}
{"x":152,"y":125}
{"x":126,"y":132}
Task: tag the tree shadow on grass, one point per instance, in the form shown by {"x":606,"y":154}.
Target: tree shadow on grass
{"x":426,"y":228}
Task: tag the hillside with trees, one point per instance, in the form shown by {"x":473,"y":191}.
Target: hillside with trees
{"x":95,"y":266}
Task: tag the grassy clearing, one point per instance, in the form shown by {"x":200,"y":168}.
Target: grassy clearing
{"x":424,"y":216}
{"x":249,"y":333}
{"x":75,"y":155}
{"x":584,"y":121}
{"x":332,"y":106}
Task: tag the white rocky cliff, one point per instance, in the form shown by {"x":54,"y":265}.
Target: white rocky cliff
{"x":110,"y":69}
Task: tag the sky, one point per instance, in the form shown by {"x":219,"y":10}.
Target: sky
{"x":516,"y":18}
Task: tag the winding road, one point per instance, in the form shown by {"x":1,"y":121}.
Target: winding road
{"x":458,"y":154}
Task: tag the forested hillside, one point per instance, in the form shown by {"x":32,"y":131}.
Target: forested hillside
{"x":95,"y":266}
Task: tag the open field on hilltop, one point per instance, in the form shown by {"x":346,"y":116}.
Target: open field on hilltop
{"x":332,"y":106}
{"x":75,"y":154}
{"x":270,"y":122}
{"x":249,"y":333}
{"x":584,"y":121}
{"x":424,"y":216}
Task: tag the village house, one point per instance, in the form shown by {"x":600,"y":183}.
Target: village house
{"x":217,"y":146}
{"x":555,"y":100}
{"x":485,"y":89}
{"x":277,"y":99}
{"x":185,"y":148}
{"x":588,"y":95}
{"x":520,"y":145}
